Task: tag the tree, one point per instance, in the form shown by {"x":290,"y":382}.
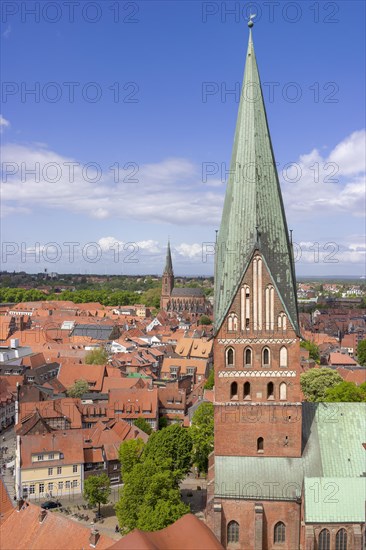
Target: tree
{"x":96,"y":357}
{"x":129,"y":454}
{"x":150,"y":498}
{"x":78,"y":389}
{"x":143,"y":425}
{"x":173,"y":442}
{"x":361,"y":353}
{"x":163,"y":422}
{"x":202,"y":433}
{"x":312,"y":348}
{"x":97,"y":490}
{"x":345,"y":392}
{"x":205,"y":320}
{"x":210,"y":382}
{"x":315,"y":382}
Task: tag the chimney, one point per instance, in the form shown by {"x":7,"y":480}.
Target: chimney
{"x":42,"y":515}
{"x":94,"y":537}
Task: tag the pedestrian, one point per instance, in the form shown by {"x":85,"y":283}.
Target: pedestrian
{"x":116,"y":529}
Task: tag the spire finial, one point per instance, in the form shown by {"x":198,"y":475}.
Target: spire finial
{"x":251,"y":17}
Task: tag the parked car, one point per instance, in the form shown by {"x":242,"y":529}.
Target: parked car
{"x":51,"y":504}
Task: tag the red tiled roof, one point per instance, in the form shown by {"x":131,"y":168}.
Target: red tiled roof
{"x":93,"y":374}
{"x":23,"y":531}
{"x":68,"y":442}
{"x":337,"y":358}
{"x":188,"y":533}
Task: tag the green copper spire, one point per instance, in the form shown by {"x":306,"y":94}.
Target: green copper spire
{"x":168,"y":263}
{"x":253,"y":216}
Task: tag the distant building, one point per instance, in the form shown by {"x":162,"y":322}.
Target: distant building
{"x":180,"y":300}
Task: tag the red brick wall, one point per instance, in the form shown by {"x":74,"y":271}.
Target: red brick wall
{"x":237,"y":424}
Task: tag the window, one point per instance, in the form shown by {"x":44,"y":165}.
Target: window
{"x":41,"y":488}
{"x":232,"y":322}
{"x":59,"y":470}
{"x":74,"y":482}
{"x":265,"y":357}
{"x":50,"y":471}
{"x":40,"y":457}
{"x":324,"y":540}
{"x":32,"y":489}
{"x":341,"y":540}
{"x":260,"y":445}
{"x":234,"y":390}
{"x":50,"y":486}
{"x":233,"y":531}
{"x":230,"y":357}
{"x":74,"y":468}
{"x":60,"y":485}
{"x":115,"y":466}
{"x":248,"y":357}
{"x":282,"y":321}
{"x":283,"y":357}
{"x":67,"y":484}
{"x":247,"y":390}
{"x":270,"y":390}
{"x":51,"y":456}
{"x":279,"y":532}
{"x":283,"y":391}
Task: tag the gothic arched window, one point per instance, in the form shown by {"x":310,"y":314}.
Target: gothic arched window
{"x":230,"y":357}
{"x":233,"y":531}
{"x":341,"y":540}
{"x":270,"y":390}
{"x":247,"y":390}
{"x":283,"y":357}
{"x":265,"y":357}
{"x":248,"y":357}
{"x":324,"y":540}
{"x":279,"y":534}
{"x":260,"y":444}
{"x":232,"y":322}
{"x":283,"y":391}
{"x":234,"y":390}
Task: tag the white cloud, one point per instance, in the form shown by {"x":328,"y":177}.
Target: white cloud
{"x":3,"y":123}
{"x":189,"y":250}
{"x":318,"y":185}
{"x":168,"y":191}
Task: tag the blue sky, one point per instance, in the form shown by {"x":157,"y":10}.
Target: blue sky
{"x":145,"y":87}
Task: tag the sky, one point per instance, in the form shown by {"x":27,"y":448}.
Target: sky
{"x":117,"y":124}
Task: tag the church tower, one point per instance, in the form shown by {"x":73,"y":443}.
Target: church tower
{"x":167,"y":280}
{"x":256,"y":345}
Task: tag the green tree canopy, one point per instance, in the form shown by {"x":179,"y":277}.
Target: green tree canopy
{"x":361,"y":353}
{"x":345,"y":391}
{"x":315,"y":382}
{"x":210,"y":382}
{"x":173,"y":442}
{"x":205,"y":320}
{"x":202,"y":433}
{"x":78,"y":388}
{"x":150,"y":498}
{"x":96,"y":357}
{"x":97,"y":490}
{"x":129,"y":454}
{"x":312,"y":348}
{"x":143,"y":425}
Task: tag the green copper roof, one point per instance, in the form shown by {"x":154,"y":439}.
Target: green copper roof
{"x":332,"y":468}
{"x":168,"y":263}
{"x":253,"y":215}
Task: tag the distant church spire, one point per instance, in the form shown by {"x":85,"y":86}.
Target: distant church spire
{"x":253,"y":211}
{"x":168,"y":263}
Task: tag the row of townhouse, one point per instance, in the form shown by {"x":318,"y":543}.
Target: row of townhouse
{"x":56,"y":463}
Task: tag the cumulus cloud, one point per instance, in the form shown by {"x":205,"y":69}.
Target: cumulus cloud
{"x":3,"y":123}
{"x":189,"y":250}
{"x":167,"y":191}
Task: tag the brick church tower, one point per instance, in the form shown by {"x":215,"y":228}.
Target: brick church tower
{"x":258,"y":412}
{"x":167,"y":280}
